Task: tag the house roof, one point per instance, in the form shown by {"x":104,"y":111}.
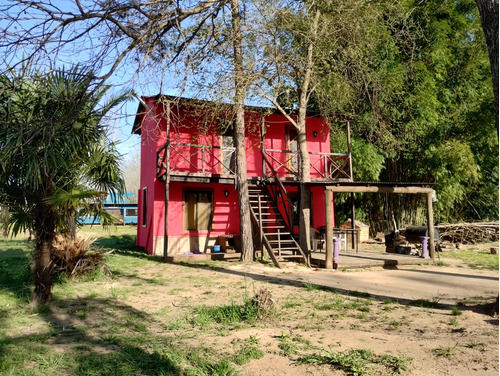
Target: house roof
{"x":143,"y":108}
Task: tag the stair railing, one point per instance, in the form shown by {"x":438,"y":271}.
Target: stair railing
{"x":280,"y":195}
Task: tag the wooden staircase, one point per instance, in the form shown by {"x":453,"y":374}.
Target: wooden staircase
{"x":272,"y":231}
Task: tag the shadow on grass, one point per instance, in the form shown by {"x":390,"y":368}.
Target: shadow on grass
{"x":122,"y":242}
{"x":124,"y":245}
{"x":485,"y":307}
{"x":99,"y":336}
{"x":15,"y":276}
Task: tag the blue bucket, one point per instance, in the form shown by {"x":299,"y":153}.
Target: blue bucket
{"x":216,"y":248}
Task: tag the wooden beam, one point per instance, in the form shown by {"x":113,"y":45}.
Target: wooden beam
{"x":328,"y":230}
{"x":167,"y":187}
{"x":378,"y":189}
{"x":430,"y":226}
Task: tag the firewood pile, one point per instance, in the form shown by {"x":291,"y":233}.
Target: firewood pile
{"x":469,"y":233}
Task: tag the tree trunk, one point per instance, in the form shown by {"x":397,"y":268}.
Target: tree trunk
{"x":247,"y":253}
{"x":44,"y":225}
{"x":4,"y":220}
{"x":305,"y":194}
{"x":304,"y":168}
{"x":488,"y":10}
{"x":72,"y":224}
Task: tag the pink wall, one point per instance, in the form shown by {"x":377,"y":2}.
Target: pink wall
{"x":225,"y":209}
{"x":276,"y":139}
{"x":185,"y":128}
{"x":151,"y":137}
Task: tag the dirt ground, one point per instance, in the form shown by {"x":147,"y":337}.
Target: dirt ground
{"x":442,"y":335}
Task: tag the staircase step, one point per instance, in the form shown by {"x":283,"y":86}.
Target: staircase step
{"x":285,"y":249}
{"x":290,"y":257}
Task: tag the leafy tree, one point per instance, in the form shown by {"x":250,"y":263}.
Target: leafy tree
{"x":421,"y":97}
{"x":54,"y":157}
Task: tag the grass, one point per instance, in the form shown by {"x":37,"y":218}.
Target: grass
{"x":96,"y":326}
{"x":446,"y":351}
{"x":226,"y":315}
{"x":482,"y":259}
{"x":456,"y":311}
{"x":359,"y":362}
{"x":121,"y":332}
{"x":425,"y":303}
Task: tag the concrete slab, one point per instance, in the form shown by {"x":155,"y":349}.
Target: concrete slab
{"x":367,"y":259}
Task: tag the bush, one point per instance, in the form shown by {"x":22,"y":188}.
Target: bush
{"x":74,"y":257}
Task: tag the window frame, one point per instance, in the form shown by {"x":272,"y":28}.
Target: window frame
{"x":144,"y":206}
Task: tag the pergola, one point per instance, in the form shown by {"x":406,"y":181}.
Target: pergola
{"x":359,"y":187}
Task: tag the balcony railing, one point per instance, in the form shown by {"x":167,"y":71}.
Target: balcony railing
{"x":207,"y":160}
{"x":323,"y":166}
{"x":195,"y":160}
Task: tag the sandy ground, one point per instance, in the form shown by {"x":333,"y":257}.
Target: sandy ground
{"x":438,"y":340}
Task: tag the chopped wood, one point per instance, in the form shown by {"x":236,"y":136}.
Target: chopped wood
{"x":469,"y":233}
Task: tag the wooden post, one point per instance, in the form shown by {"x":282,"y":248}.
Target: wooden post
{"x":262,"y":144}
{"x":353,"y":226}
{"x":430,"y":226}
{"x":328,"y":230}
{"x":167,"y":184}
{"x":261,"y":234}
{"x":349,"y":149}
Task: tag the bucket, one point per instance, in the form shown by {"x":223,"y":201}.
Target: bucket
{"x":216,"y":248}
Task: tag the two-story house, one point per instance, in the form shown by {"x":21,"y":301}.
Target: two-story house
{"x":188,"y":176}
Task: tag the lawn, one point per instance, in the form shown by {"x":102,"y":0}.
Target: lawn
{"x":478,"y":258}
{"x":151,"y":318}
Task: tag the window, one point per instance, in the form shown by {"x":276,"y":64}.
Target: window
{"x":197,"y":210}
{"x":144,"y":206}
{"x":131,"y":212}
{"x":293,"y":147}
{"x":226,"y":130}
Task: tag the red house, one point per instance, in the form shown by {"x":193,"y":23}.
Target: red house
{"x":188,"y":176}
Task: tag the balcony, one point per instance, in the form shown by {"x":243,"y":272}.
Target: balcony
{"x":207,"y":161}
{"x":193,"y":160}
{"x":323,"y":166}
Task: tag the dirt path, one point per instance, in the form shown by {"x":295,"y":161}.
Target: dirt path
{"x":447,"y":284}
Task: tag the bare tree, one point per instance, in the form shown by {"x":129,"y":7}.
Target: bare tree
{"x":239,"y":104}
{"x":167,"y":36}
{"x":105,"y":34}
{"x":289,"y":76}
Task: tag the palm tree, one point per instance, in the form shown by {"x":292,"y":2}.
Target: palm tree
{"x":54,"y":156}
